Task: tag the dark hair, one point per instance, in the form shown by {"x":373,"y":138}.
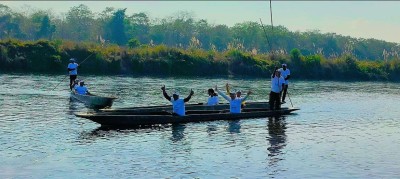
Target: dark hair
{"x":211,"y":90}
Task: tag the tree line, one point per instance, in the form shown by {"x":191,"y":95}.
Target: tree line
{"x":183,"y":30}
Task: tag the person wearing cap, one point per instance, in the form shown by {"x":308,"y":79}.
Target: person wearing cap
{"x":212,"y":97}
{"x":178,"y":104}
{"x":285,"y":73}
{"x":234,"y":102}
{"x":73,"y":72}
{"x":81,"y":89}
{"x":238,"y":93}
{"x":277,"y":84}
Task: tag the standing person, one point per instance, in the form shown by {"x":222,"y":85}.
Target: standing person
{"x":234,"y":102}
{"x":73,"y":72}
{"x":178,"y":104}
{"x":285,"y":73}
{"x":277,"y":84}
{"x":212,"y":98}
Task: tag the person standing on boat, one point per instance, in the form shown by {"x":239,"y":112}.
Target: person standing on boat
{"x":213,"y":98}
{"x":81,"y":89}
{"x":285,"y":73}
{"x":234,"y":102}
{"x":178,"y":104}
{"x":73,"y":72}
{"x":277,"y":84}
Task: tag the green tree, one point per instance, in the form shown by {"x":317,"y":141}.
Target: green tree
{"x":133,"y":43}
{"x":117,"y":27}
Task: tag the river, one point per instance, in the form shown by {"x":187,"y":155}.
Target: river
{"x":343,"y":130}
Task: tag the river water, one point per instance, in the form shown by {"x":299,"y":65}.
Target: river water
{"x":343,"y":130}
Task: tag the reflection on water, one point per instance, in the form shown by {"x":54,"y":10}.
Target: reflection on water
{"x":276,"y":139}
{"x":234,"y":126}
{"x":178,"y":132}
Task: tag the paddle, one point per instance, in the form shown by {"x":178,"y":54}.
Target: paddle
{"x":67,"y":76}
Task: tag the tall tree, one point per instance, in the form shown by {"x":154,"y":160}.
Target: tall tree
{"x":116,"y":28}
{"x":80,"y":20}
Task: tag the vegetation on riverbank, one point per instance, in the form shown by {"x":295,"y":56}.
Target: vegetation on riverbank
{"x":53,"y":56}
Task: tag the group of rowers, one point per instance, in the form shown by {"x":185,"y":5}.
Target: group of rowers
{"x":279,"y":85}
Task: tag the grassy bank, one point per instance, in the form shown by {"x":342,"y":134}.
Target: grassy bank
{"x":53,"y":57}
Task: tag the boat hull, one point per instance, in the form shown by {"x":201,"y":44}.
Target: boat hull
{"x":200,"y":106}
{"x":93,"y":100}
{"x":122,"y":120}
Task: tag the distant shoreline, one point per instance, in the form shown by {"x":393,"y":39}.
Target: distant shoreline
{"x":52,"y":57}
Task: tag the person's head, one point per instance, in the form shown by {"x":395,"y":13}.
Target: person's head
{"x":284,"y":66}
{"x":278,"y":73}
{"x":76,"y":82}
{"x":81,"y":83}
{"x":211,"y":92}
{"x":232,"y":95}
{"x":239,"y":93}
{"x":175,"y":96}
{"x":72,"y":60}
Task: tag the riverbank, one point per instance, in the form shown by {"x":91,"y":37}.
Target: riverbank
{"x":52,"y":57}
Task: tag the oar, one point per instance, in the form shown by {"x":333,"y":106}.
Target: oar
{"x":289,"y":98}
{"x":67,"y":76}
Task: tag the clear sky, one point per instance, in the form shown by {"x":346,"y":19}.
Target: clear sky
{"x":366,"y":19}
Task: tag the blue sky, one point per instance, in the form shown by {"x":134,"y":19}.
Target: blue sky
{"x":365,"y":19}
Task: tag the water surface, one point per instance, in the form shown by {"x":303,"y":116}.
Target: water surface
{"x":343,"y":130}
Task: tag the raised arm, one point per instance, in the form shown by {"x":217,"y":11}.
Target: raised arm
{"x":190,"y":96}
{"x":222,"y":94}
{"x":227,"y":89}
{"x":247,"y":95}
{"x":165,"y":93}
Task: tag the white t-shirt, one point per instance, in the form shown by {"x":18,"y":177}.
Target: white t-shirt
{"x":276,"y":84}
{"x":81,"y":90}
{"x":235,"y":105}
{"x":212,"y":101}
{"x":73,"y":66}
{"x":178,"y":106}
{"x":284,"y":74}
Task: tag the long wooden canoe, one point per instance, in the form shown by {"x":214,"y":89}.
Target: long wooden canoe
{"x":94,"y":100}
{"x":200,"y":106}
{"x":164,"y":117}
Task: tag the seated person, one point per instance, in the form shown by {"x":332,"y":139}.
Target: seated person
{"x":178,"y":104}
{"x":81,"y":89}
{"x":213,"y":97}
{"x":234,"y":102}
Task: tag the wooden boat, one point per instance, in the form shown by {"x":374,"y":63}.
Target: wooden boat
{"x":94,"y":100}
{"x":164,"y":117}
{"x":199,"y":106}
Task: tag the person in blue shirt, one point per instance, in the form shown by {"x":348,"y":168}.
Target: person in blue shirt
{"x":178,"y":104}
{"x":73,"y":72}
{"x":81,"y":89}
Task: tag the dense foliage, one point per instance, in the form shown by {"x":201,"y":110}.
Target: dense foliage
{"x":53,"y":56}
{"x":182,"y":30}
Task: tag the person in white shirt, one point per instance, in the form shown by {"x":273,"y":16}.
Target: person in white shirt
{"x":285,"y":73}
{"x":234,"y":102}
{"x":73,"y":72}
{"x":277,"y":83}
{"x":178,"y":104}
{"x":212,"y":98}
{"x":81,"y":89}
